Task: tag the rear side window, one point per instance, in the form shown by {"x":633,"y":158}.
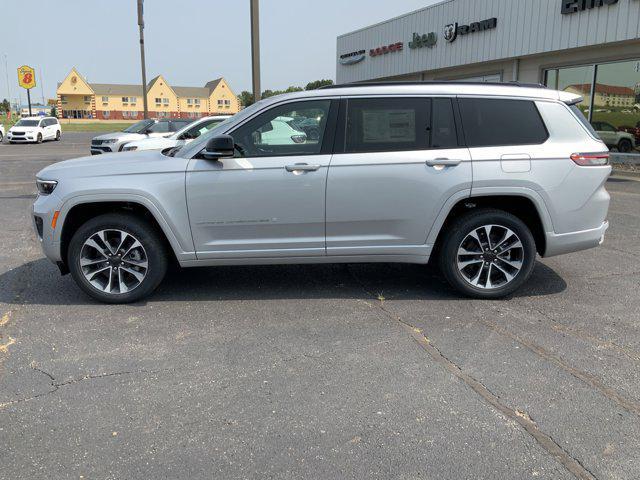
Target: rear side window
{"x":399,"y":124}
{"x":179,"y":124}
{"x":496,"y":122}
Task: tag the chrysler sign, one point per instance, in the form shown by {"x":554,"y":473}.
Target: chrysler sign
{"x":353,"y":57}
{"x":574,"y":6}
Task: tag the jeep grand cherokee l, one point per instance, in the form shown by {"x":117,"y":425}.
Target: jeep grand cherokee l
{"x":480,"y":177}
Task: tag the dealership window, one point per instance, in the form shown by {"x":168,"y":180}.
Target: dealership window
{"x":611,"y":93}
{"x":496,"y":122}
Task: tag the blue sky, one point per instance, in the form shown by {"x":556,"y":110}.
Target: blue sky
{"x":188,"y":41}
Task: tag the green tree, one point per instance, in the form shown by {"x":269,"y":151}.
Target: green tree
{"x":5,"y":106}
{"x":246,"y":98}
{"x":318,"y":83}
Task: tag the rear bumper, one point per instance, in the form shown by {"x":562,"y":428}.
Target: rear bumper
{"x":558,"y":244}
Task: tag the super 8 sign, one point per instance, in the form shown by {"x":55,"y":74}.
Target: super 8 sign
{"x":26,"y":77}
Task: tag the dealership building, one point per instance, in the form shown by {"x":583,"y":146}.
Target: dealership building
{"x":590,"y":47}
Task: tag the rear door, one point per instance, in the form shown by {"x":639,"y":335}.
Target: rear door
{"x":397,"y":160}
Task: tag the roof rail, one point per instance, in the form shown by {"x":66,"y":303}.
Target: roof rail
{"x":431,"y":82}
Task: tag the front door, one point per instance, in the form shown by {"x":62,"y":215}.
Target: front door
{"x":269,"y":199}
{"x":401,"y":160}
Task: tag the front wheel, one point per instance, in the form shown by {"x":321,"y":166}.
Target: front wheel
{"x":117,"y":258}
{"x":487,"y":253}
{"x":625,"y":146}
{"x":39,"y":140}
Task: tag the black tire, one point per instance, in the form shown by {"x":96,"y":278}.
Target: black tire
{"x":469,"y":222}
{"x":1,"y":137}
{"x":39,"y":139}
{"x":58,"y":136}
{"x":145,"y":233}
{"x":625,"y":145}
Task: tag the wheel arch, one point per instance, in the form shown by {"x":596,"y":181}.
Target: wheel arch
{"x":81,"y":211}
{"x":528,"y":207}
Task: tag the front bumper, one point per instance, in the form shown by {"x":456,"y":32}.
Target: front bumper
{"x":559,"y":244}
{"x":100,"y":149}
{"x":42,"y":214}
{"x":21,"y":138}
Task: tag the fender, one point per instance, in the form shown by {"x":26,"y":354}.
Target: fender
{"x":183,"y":252}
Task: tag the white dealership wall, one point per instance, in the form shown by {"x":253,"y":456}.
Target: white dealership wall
{"x":531,"y":35}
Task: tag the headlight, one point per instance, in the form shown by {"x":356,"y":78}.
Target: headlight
{"x":45,"y":187}
{"x":129,"y":149}
{"x":110,"y":140}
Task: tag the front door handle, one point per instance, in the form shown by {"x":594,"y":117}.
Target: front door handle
{"x":445,"y":162}
{"x":302,"y":167}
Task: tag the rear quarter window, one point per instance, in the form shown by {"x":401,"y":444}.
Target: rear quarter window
{"x":499,"y":122}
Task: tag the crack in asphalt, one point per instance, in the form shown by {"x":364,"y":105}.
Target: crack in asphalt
{"x":55,"y":386}
{"x":591,"y":380}
{"x":553,"y":448}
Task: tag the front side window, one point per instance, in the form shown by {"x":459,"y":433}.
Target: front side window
{"x":496,"y":122}
{"x":276,"y":132}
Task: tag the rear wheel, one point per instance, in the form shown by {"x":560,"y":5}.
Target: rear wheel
{"x":487,"y":254}
{"x":625,"y":145}
{"x":117,"y":258}
{"x":58,"y":135}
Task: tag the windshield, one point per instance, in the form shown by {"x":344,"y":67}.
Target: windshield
{"x":138,"y":127}
{"x":27,"y":123}
{"x":189,"y":150}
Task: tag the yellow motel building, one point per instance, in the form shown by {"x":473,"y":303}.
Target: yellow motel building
{"x":78,"y":98}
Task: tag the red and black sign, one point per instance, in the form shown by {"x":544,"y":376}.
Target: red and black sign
{"x":394,"y":47}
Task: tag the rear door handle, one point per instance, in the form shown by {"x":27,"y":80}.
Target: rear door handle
{"x":446,"y":162}
{"x":302,"y":167}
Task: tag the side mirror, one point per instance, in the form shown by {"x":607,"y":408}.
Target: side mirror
{"x":219,"y":147}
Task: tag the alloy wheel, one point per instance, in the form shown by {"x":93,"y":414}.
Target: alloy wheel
{"x":113,"y":261}
{"x":490,"y":257}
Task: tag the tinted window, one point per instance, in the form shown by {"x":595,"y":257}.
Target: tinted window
{"x":282,"y":131}
{"x":160,"y":127}
{"x":178,"y":124}
{"x":495,"y":122}
{"x":387,"y":124}
{"x":443,"y":124}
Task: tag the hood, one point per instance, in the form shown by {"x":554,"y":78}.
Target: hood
{"x":120,"y":136}
{"x":113,"y":164}
{"x":23,"y":129}
{"x":155,"y":143}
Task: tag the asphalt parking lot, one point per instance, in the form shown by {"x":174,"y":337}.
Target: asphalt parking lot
{"x":343,"y":371}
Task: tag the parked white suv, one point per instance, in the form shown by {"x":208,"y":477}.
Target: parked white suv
{"x":35,"y":129}
{"x":185,"y":135}
{"x":480,"y":178}
{"x":614,"y":138}
{"x":1,"y":132}
{"x":151,"y":128}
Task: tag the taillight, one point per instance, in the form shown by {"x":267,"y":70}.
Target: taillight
{"x":591,"y":159}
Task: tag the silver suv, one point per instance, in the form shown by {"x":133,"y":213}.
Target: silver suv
{"x":477,"y":177}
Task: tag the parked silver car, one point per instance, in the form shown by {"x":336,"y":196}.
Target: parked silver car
{"x":478,"y":177}
{"x":151,"y":128}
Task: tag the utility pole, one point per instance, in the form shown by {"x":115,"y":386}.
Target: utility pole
{"x":144,"y":69}
{"x":255,"y":48}
{"x":42,"y":88}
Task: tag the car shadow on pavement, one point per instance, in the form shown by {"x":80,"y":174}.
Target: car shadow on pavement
{"x":39,"y":283}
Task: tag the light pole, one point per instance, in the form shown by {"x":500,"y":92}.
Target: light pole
{"x":255,"y":48}
{"x":144,"y":70}
{"x":6,"y":72}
